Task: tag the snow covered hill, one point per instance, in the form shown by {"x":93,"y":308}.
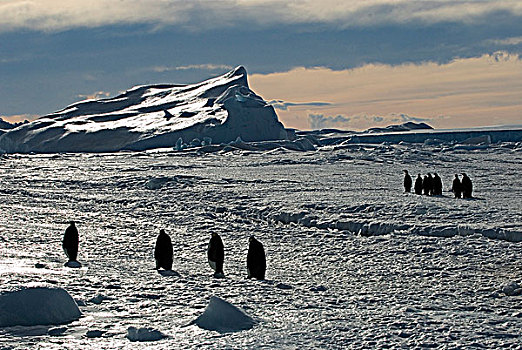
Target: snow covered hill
{"x":220,"y":109}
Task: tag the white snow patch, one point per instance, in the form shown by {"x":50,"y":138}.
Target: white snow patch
{"x":223,"y":317}
{"x":37,"y":306}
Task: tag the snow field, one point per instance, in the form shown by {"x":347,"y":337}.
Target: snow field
{"x":329,"y":284}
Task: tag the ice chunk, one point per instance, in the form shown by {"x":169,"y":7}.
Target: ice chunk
{"x":156,"y":183}
{"x":512,"y":288}
{"x":223,"y":317}
{"x":99,"y":299}
{"x":484,"y":139}
{"x":144,"y":334}
{"x":37,"y":306}
{"x":180,"y":145}
{"x":94,"y":333}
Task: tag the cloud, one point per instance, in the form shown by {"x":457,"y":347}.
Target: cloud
{"x":19,"y":118}
{"x":208,"y":66}
{"x":95,"y":95}
{"x":320,"y":121}
{"x":57,"y":15}
{"x":512,"y":41}
{"x":403,"y":118}
{"x":283,"y":105}
{"x":468,"y":92}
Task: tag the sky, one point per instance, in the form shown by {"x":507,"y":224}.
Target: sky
{"x":350,"y":64}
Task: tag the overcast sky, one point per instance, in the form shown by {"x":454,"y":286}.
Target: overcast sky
{"x":349,"y":64}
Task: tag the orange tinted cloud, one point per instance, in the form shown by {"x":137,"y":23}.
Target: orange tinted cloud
{"x":19,"y":117}
{"x":469,"y":92}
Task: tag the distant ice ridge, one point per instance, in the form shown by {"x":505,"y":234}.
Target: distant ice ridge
{"x":37,"y":306}
{"x":220,"y":109}
{"x":223,"y":317}
{"x":377,"y":228}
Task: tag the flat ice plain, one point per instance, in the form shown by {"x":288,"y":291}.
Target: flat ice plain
{"x":426,"y":275}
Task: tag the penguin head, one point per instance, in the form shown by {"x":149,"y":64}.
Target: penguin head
{"x":252,"y":238}
{"x":405,"y":171}
{"x":72,"y":223}
{"x":162,"y":232}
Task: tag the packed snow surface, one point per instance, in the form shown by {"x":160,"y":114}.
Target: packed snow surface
{"x":352,"y":260}
{"x":37,"y":306}
{"x":221,"y":316}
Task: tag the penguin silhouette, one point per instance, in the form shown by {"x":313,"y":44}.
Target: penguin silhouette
{"x":163,"y":251}
{"x":418,"y":184}
{"x":457,"y":186}
{"x":256,"y":260}
{"x":407,"y":181}
{"x":70,"y":242}
{"x":467,"y":186}
{"x":216,"y":254}
{"x":427,"y":185}
{"x":437,"y":185}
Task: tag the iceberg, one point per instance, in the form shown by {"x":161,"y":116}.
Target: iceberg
{"x":220,"y":109}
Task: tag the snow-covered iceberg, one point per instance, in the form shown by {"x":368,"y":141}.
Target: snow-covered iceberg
{"x":37,"y":306}
{"x":220,"y":109}
{"x":223,"y":317}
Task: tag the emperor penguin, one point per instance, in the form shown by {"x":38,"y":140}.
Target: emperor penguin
{"x":70,"y":242}
{"x":163,"y":251}
{"x":407,"y":181}
{"x":256,"y":260}
{"x":467,"y":186}
{"x":216,"y":254}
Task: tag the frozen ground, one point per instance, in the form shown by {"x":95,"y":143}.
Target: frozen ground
{"x":327,"y":287}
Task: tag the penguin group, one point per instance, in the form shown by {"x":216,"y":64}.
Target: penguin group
{"x":462,"y":188}
{"x":431,"y":185}
{"x":163,"y":253}
{"x":256,"y":259}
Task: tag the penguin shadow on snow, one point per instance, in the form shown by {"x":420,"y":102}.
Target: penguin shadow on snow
{"x":169,"y":273}
{"x":473,"y":199}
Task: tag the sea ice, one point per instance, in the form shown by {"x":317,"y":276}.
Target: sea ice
{"x":37,"y":306}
